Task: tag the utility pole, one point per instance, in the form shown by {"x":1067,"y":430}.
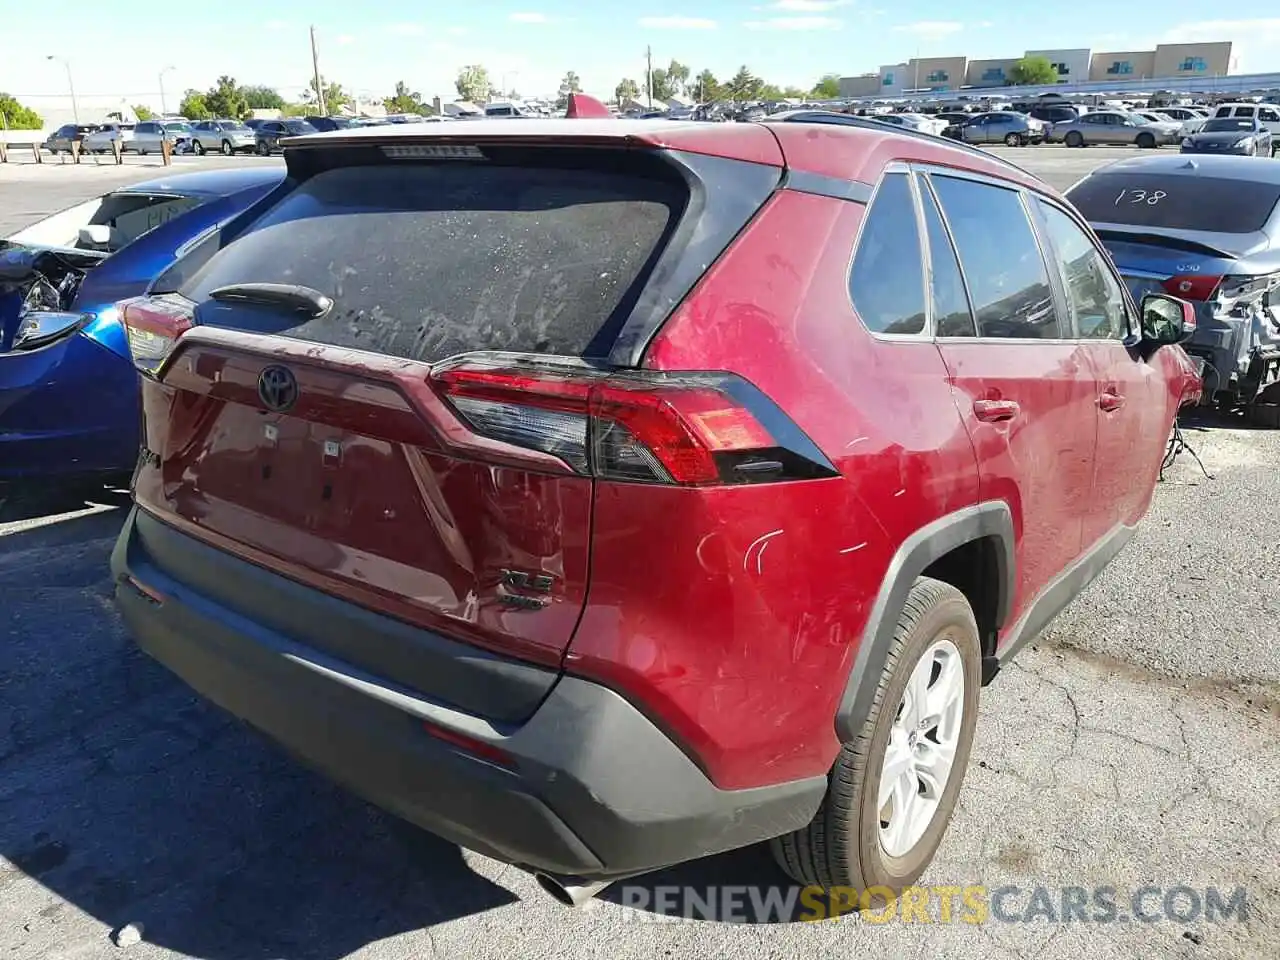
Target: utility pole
{"x":315,"y":64}
{"x":648,"y":72}
{"x":164,"y":104}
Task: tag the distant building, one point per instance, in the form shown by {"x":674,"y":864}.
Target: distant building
{"x":864,"y":85}
{"x":893,"y":79}
{"x":1071,"y":65}
{"x":1192,"y":60}
{"x":989,"y":73}
{"x":1129,"y":65}
{"x":936,"y":73}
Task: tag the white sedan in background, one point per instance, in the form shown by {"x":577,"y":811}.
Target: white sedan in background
{"x":913,"y":121}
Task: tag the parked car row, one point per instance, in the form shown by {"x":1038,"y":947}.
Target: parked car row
{"x":277,"y":416}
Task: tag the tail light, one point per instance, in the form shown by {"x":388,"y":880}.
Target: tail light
{"x":1193,"y":286}
{"x":153,"y":326}
{"x":681,"y":429}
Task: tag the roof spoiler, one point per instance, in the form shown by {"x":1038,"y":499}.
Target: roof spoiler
{"x":583,"y":107}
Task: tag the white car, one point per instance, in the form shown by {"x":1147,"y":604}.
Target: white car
{"x":101,"y":139}
{"x":1267,"y":114}
{"x":914,"y":121}
{"x":222,"y":136}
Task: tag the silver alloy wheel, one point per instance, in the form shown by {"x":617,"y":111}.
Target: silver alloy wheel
{"x":921,"y":748}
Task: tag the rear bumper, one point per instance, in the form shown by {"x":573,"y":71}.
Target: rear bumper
{"x":590,"y":787}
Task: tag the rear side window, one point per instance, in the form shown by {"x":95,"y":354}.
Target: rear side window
{"x":887,"y":279}
{"x":427,"y":261}
{"x":1001,"y":259}
{"x":1174,"y":202}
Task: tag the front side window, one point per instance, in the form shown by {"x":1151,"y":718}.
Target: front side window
{"x":1001,"y":259}
{"x":1093,"y":292}
{"x":887,"y":279}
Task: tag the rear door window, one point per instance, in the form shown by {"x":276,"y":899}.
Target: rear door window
{"x":1093,"y":292}
{"x":426,"y":261}
{"x":887,"y":279}
{"x":1176,"y":202}
{"x":1001,"y":258}
{"x":949,"y":302}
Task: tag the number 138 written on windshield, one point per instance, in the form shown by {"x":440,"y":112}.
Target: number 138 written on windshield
{"x":1149,"y":197}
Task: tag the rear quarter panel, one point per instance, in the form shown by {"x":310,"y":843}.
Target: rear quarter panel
{"x":734,"y":614}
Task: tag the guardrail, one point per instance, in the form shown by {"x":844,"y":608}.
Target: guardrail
{"x":10,"y":142}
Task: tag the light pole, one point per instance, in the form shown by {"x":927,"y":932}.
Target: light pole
{"x":164,"y":106}
{"x":75,"y":108}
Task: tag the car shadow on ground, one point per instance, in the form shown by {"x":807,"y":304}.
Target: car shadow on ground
{"x":132,"y":800}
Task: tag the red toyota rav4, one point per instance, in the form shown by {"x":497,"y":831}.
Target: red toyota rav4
{"x":601,"y":495}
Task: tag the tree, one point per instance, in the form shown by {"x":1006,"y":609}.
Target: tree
{"x":404,"y":101}
{"x":793,"y":93}
{"x":627,"y":89}
{"x":570,"y":83}
{"x":335,"y":98}
{"x":473,"y":83}
{"x":143,"y":112}
{"x":194,"y":107}
{"x":226,"y":100}
{"x":18,"y":117}
{"x":262,"y":98}
{"x":663,"y":86}
{"x":707,"y":88}
{"x":827,"y":88}
{"x":677,"y":77}
{"x":745,"y":85}
{"x":1033,"y":72}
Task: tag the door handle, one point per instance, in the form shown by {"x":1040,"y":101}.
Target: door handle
{"x":1110,"y":401}
{"x":995,"y":411}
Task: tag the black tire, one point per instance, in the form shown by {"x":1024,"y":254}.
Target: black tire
{"x":263,"y":149}
{"x":842,"y":846}
{"x":1074,"y":139}
{"x":198,"y":148}
{"x":1013,"y":140}
{"x":1146,"y":141}
{"x":226,"y":148}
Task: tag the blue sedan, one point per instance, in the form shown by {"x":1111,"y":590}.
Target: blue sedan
{"x":68,"y":389}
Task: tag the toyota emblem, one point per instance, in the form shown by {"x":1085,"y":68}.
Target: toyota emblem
{"x":277,"y":388}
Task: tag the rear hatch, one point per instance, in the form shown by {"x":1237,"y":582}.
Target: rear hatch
{"x":302,"y":421}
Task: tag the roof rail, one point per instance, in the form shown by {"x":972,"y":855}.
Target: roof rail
{"x":848,"y":120}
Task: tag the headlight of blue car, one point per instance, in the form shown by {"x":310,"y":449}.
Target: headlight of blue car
{"x":42,"y":327}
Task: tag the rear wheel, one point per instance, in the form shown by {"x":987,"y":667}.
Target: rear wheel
{"x":894,"y":786}
{"x":1013,"y":140}
{"x":1075,"y":139}
{"x":1146,"y":141}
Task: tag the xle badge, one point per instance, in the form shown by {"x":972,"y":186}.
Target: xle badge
{"x":527,"y":582}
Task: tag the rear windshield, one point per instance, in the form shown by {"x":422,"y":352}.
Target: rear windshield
{"x":427,"y":261}
{"x":1229,"y":124}
{"x":1212,"y":204}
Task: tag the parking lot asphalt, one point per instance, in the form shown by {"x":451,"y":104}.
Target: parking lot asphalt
{"x":1136,"y":744}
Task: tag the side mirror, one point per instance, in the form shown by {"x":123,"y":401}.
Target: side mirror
{"x":97,"y":235}
{"x":1167,"y":320}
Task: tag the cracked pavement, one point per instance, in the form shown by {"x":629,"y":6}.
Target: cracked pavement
{"x":1136,"y":743}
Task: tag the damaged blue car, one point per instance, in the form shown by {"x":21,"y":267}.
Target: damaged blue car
{"x":68,"y":389}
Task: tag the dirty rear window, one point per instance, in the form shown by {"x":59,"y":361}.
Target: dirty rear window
{"x":1176,"y":202}
{"x":427,"y":261}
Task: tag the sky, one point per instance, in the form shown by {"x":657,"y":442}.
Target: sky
{"x":129,"y":50}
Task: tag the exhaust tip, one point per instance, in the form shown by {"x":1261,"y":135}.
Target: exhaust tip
{"x":570,"y":893}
